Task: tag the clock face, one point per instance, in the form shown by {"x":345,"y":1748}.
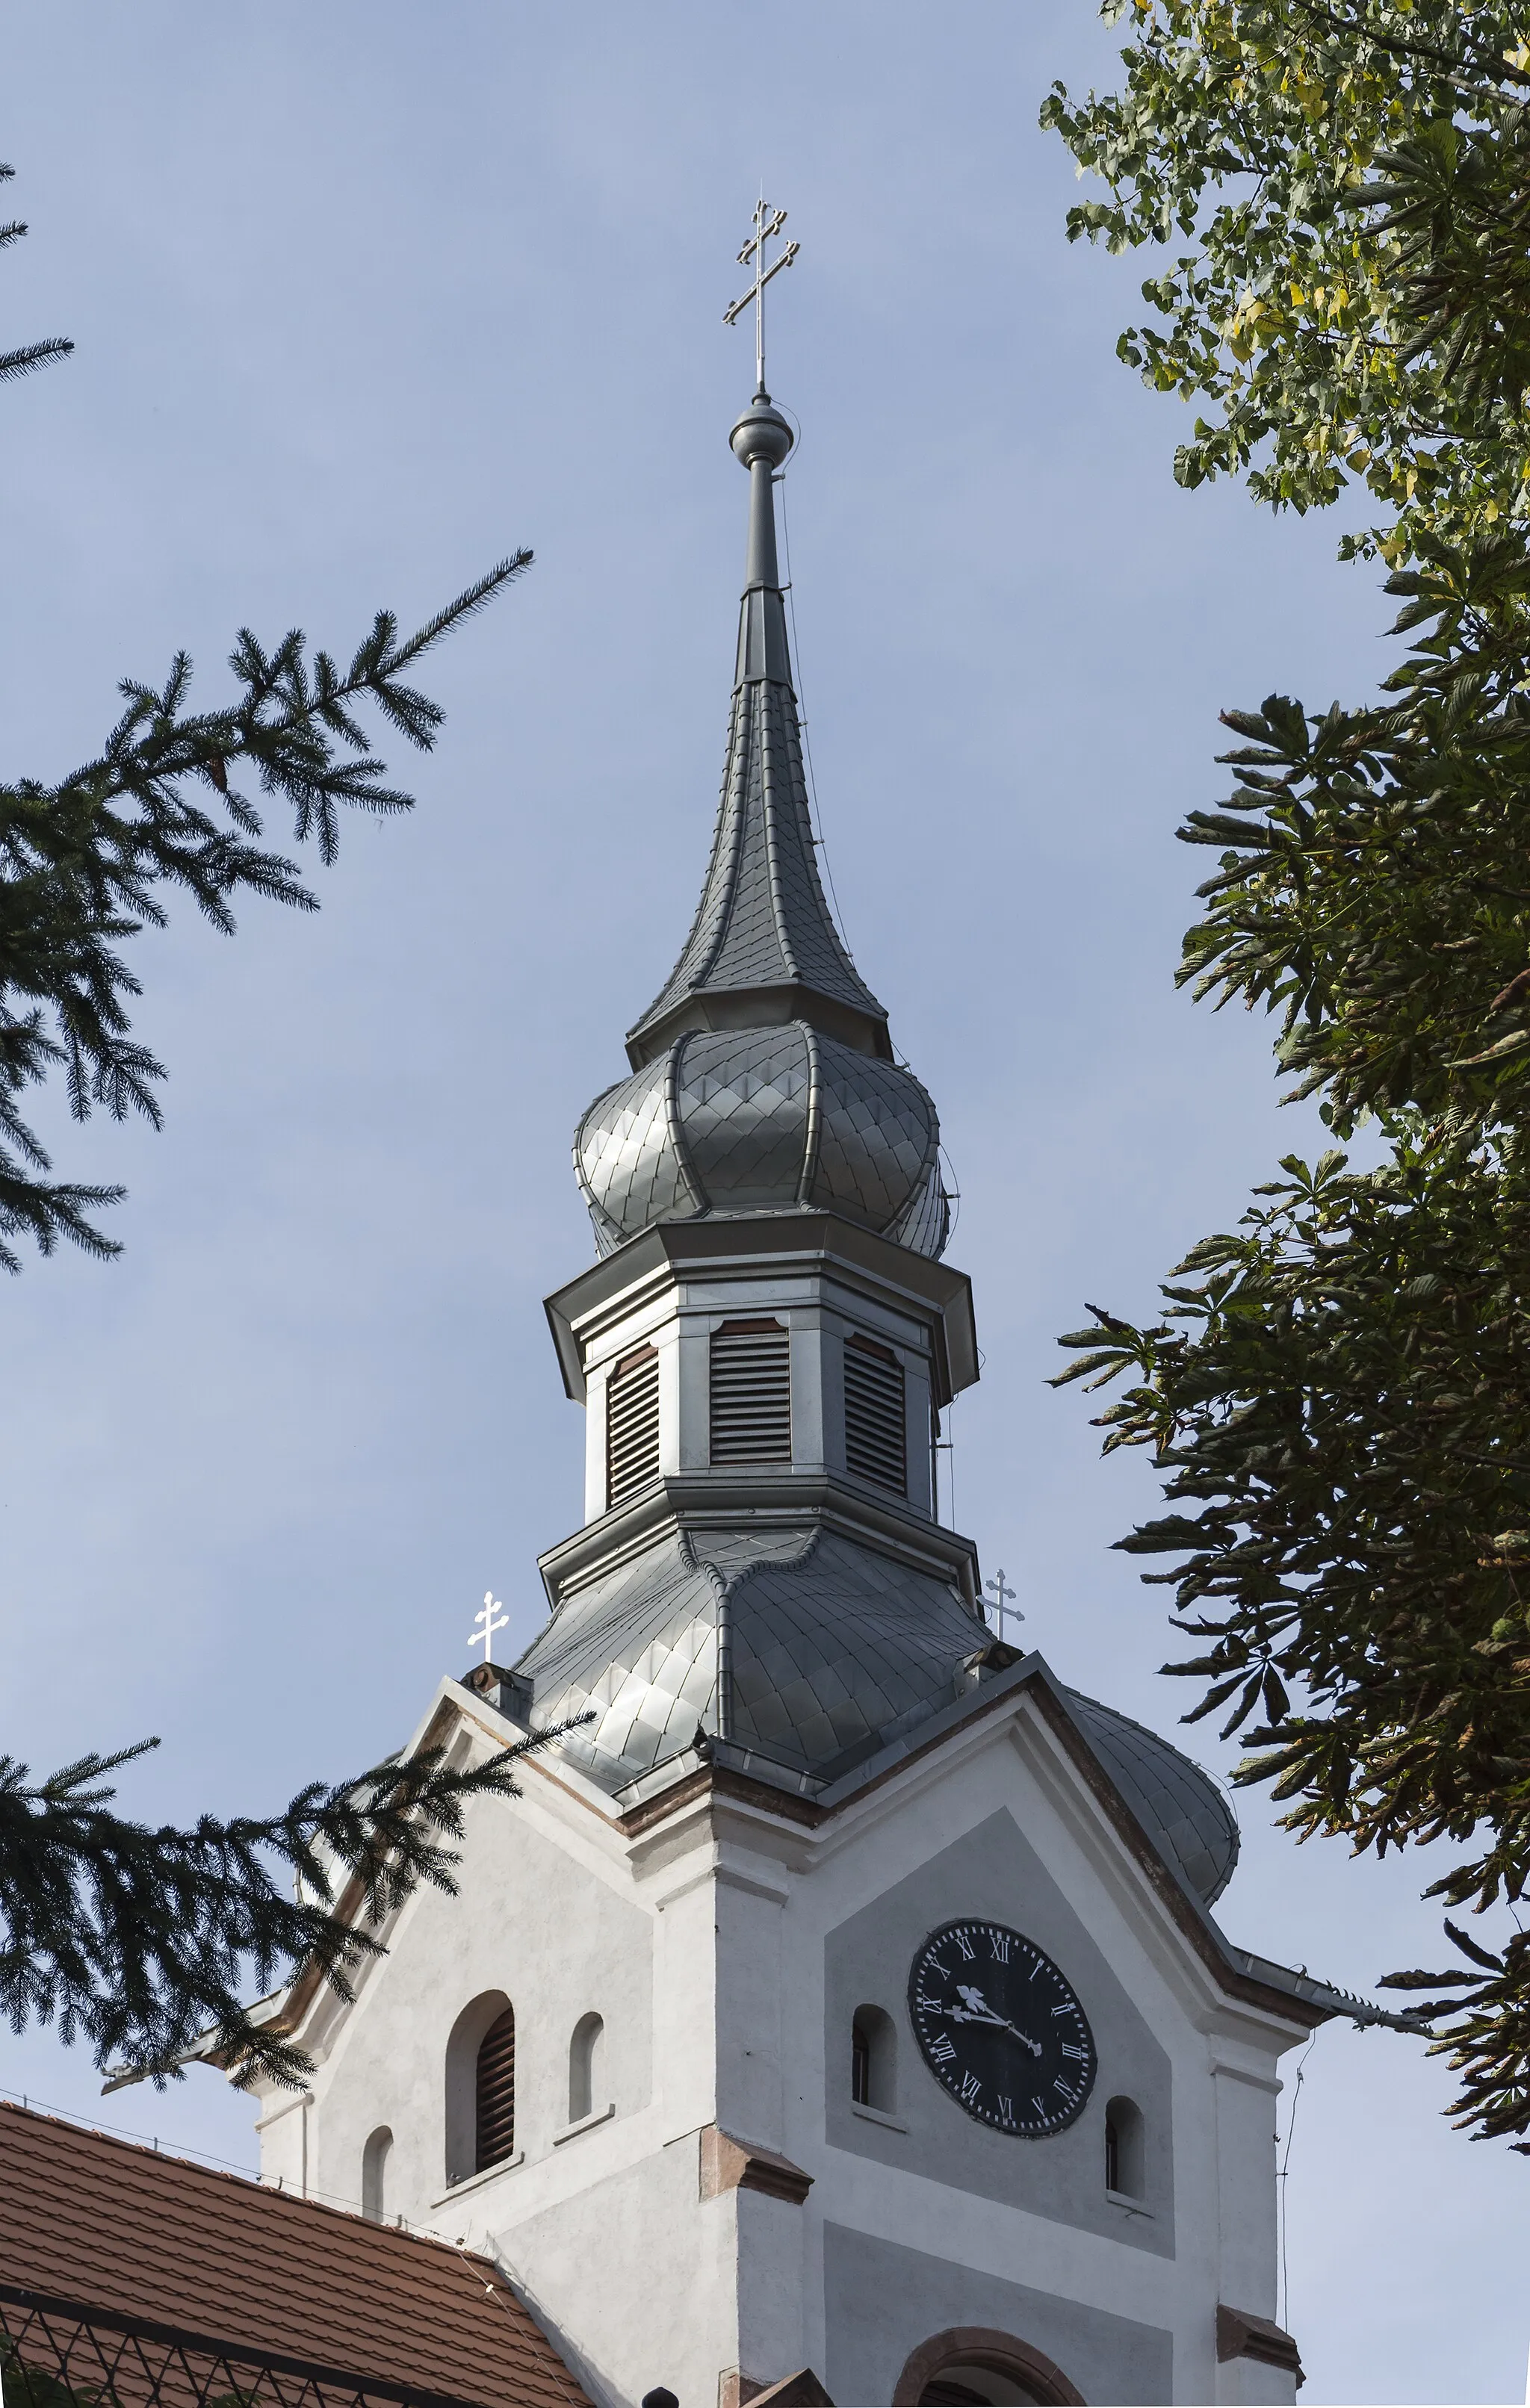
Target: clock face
{"x":1000,"y":2028}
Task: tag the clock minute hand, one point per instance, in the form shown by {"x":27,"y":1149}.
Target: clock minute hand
{"x":979,"y":2012}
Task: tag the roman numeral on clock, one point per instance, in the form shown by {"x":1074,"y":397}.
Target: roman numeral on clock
{"x":942,"y":2051}
{"x":966,"y":1946}
{"x":999,"y":1946}
{"x":1069,"y":2050}
{"x":970,"y":2088}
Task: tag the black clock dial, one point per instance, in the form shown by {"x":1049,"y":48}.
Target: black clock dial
{"x":1000,"y":2028}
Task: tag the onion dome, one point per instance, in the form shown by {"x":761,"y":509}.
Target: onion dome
{"x":764,"y":1078}
{"x":1177,"y":1804}
{"x":874,"y":1649}
{"x":764,"y":1120}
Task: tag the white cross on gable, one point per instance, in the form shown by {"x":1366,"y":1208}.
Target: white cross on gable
{"x":486,"y":1624}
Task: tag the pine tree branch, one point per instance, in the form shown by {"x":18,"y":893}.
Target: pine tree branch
{"x":30,"y":355}
{"x":84,"y":863}
{"x":142,"y":1943}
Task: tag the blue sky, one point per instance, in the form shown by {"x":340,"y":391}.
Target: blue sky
{"x":363,"y":297}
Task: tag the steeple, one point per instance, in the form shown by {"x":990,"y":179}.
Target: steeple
{"x":763,"y":1077}
{"x":762,"y":948}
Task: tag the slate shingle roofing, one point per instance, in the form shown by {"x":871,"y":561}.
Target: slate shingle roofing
{"x":762,"y":919}
{"x":96,"y":2224}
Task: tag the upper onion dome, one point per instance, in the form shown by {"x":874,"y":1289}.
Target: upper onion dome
{"x":764,"y":1120}
{"x":764,"y":1078}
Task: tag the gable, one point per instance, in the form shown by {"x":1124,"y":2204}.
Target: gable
{"x":540,"y":1920}
{"x":993,"y":1872}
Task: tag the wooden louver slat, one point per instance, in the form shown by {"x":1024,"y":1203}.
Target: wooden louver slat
{"x":496,"y":2093}
{"x":876,"y":1431}
{"x":751,"y":1392}
{"x":632,"y":1425}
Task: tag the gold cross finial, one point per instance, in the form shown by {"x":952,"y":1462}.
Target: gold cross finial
{"x":768,"y":224}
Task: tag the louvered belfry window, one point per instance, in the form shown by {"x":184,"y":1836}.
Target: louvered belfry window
{"x":751,"y":1392}
{"x":496,"y":2093}
{"x":632,"y":1425}
{"x":875,"y":1435}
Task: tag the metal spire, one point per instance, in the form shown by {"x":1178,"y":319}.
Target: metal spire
{"x":763,"y":948}
{"x":768,"y":223}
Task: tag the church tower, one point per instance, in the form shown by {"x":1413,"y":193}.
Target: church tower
{"x":839,"y":2012}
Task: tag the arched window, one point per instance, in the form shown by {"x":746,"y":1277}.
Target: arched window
{"x":586,"y":2068}
{"x":1125,"y":2156}
{"x":959,"y":2390}
{"x":494,"y":2102}
{"x":374,"y":2174}
{"x":873,"y":2045}
{"x":970,"y":2367}
{"x":480,"y":2086}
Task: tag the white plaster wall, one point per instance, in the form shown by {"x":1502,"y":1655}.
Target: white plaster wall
{"x":1245,"y":2379}
{"x":1224,"y":2163}
{"x":702,"y":1946}
{"x":635,"y":2277}
{"x":557,"y":1936}
{"x":1245,"y":2096}
{"x":283,"y":2138}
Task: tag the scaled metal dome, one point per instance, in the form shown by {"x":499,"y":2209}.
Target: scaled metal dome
{"x":764,"y":1120}
{"x":831,"y":1652}
{"x":1178,"y":1804}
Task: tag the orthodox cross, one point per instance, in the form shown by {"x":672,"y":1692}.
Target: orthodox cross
{"x":1001,"y":1595}
{"x":485,"y":1624}
{"x":768,"y":224}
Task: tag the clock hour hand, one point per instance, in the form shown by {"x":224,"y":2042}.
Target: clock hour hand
{"x":978,"y":2011}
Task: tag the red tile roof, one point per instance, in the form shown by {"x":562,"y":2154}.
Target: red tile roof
{"x":154,"y":2240}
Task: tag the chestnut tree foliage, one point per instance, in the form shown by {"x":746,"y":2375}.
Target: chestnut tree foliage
{"x":1336,"y":193}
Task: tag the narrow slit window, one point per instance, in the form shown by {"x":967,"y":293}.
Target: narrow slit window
{"x":632,"y":1425}
{"x":374,"y":2174}
{"x":751,"y":1392}
{"x":1125,"y":2154}
{"x":495,"y":2102}
{"x":875,"y":1433}
{"x":873,"y":2047}
{"x":586,"y":2055}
